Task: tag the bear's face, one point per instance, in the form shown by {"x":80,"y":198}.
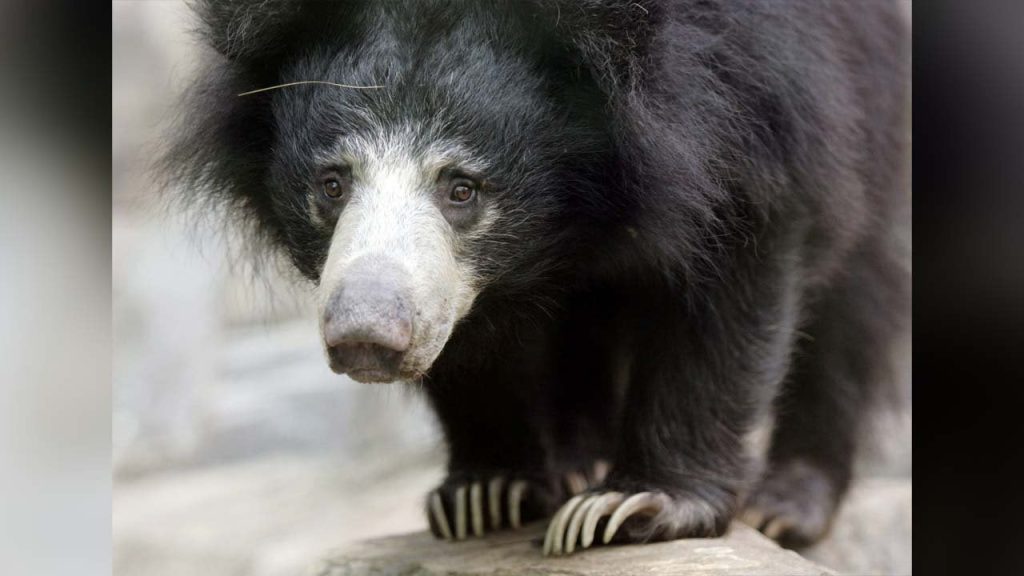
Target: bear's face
{"x":404,"y":224}
{"x":404,"y":201}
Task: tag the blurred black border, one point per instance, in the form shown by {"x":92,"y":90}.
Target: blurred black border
{"x":969,"y":285}
{"x":968,"y":251}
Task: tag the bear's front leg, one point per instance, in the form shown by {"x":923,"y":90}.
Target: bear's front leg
{"x":703,"y":373}
{"x":494,"y":408}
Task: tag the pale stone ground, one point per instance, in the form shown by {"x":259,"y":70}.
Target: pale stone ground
{"x":742,"y":552}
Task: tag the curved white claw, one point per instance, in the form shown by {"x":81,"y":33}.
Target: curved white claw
{"x":642,"y":501}
{"x":460,"y":513}
{"x":515,"y":498}
{"x":494,"y":500}
{"x":556,"y":530}
{"x":577,"y":523}
{"x":476,"y":508}
{"x":437,"y":509}
{"x":602,"y":506}
{"x":549,"y":535}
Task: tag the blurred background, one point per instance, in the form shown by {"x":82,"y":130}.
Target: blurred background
{"x":235,"y":450}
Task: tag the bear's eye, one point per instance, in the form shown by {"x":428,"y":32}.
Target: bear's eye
{"x":462,"y":191}
{"x":333,"y":185}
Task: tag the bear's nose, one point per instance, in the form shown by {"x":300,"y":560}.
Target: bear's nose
{"x":367,"y":323}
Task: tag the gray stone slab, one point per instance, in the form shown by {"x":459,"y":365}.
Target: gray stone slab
{"x":873,"y":534}
{"x":743,"y":551}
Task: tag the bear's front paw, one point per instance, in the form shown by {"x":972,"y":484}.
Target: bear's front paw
{"x":458,"y":508}
{"x":626,"y":517}
{"x":470,"y":504}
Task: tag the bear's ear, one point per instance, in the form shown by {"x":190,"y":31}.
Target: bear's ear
{"x":248,"y":29}
{"x":611,"y":38}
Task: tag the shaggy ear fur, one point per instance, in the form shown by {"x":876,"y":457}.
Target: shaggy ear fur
{"x":217,"y":155}
{"x":218,"y":152}
{"x":243,"y":29}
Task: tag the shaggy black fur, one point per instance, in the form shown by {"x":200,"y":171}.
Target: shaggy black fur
{"x":698,"y":200}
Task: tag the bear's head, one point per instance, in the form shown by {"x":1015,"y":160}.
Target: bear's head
{"x":405,"y":156}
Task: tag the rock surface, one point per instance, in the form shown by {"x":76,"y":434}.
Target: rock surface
{"x":873,"y":533}
{"x":743,"y":551}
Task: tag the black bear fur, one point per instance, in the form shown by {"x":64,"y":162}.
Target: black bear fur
{"x":702,"y":199}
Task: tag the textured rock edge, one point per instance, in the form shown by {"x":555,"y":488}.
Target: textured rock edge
{"x":743,"y":551}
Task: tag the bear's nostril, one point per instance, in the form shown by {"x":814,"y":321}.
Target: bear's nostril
{"x":365,"y":362}
{"x":392,"y":331}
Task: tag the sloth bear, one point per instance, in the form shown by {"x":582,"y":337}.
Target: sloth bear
{"x":608,"y":239}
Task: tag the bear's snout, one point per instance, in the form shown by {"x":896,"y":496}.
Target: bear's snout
{"x":368,"y":321}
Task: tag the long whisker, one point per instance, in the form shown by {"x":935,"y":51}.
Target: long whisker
{"x":311,"y":82}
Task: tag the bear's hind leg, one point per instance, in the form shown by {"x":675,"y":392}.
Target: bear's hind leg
{"x":833,"y":384}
